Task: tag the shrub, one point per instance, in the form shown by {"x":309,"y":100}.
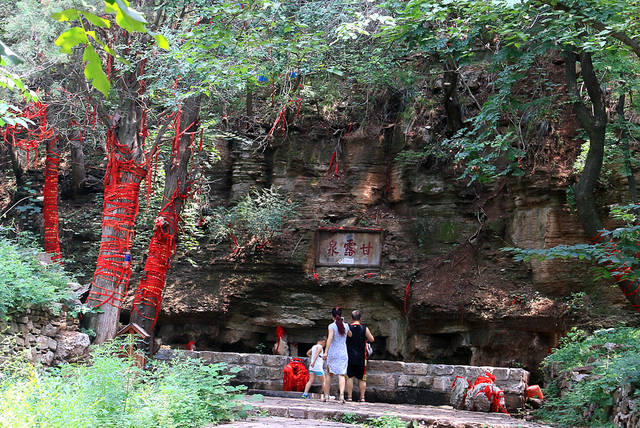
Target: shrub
{"x":614,"y":355}
{"x":24,"y":282}
{"x":259,"y":216}
{"x":113,"y":392}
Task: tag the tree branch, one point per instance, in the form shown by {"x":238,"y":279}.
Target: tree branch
{"x":600,"y":26}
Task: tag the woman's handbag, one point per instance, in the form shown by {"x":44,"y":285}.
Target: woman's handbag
{"x":369,"y":349}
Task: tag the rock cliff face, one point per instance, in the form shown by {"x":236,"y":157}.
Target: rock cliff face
{"x":466,"y":301}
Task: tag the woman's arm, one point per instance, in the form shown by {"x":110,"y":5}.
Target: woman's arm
{"x":369,"y":335}
{"x":328,"y":345}
{"x":309,"y":352}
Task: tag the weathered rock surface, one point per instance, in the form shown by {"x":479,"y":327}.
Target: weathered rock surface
{"x":467,"y":302}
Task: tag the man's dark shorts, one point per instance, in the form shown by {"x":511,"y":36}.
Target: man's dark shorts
{"x":355,"y":371}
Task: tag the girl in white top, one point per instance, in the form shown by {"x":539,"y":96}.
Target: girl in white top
{"x":315,"y":365}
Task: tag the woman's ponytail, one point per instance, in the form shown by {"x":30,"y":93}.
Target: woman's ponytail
{"x":337,"y":314}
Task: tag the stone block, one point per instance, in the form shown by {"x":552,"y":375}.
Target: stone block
{"x":30,"y":338}
{"x":164,"y":354}
{"x":255,"y":359}
{"x":269,"y":385}
{"x":52,"y":344}
{"x":47,"y":358}
{"x":42,"y":342}
{"x":415,"y":368}
{"x":206,"y":356}
{"x":473,"y":372}
{"x":501,"y":374}
{"x":442,"y":384}
{"x":519,"y":374}
{"x":513,"y":402}
{"x":267,"y":373}
{"x":13,"y":328}
{"x":383,"y":366}
{"x":274,"y":361}
{"x":297,"y":413}
{"x":460,"y":371}
{"x":49,"y":330}
{"x":442,"y":370}
{"x":381,"y":380}
{"x":231,"y":358}
{"x":71,"y":345}
{"x":246,"y":373}
{"x":415,"y":381}
{"x":513,"y":387}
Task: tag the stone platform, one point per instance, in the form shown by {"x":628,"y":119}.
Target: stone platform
{"x":297,"y":412}
{"x":387,"y":381}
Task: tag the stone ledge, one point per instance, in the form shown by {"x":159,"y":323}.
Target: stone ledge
{"x":387,"y":381}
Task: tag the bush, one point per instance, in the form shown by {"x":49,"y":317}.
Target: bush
{"x":259,"y":216}
{"x":113,"y":392}
{"x":614,"y":355}
{"x":24,"y":282}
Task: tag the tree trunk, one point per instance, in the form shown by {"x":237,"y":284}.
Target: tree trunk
{"x":50,"y":203}
{"x":596,"y":125}
{"x":126,"y":168}
{"x":624,"y":142}
{"x":148,"y":297}
{"x":451,"y":100}
{"x":78,"y":170}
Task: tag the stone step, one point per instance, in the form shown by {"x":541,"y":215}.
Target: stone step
{"x":277,"y":422}
{"x":430,"y":416}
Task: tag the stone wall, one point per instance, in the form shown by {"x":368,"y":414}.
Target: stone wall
{"x":387,"y":381}
{"x":43,"y":336}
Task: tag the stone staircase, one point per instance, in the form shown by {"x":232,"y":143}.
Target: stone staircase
{"x":297,"y":412}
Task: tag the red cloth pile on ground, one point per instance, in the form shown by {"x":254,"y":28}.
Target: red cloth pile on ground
{"x":295,"y":376}
{"x":483,"y":396}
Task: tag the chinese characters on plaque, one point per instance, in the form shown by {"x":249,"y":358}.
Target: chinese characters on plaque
{"x":358,"y":248}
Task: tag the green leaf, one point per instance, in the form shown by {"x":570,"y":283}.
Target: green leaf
{"x":93,"y":70}
{"x":71,"y":38}
{"x":129,"y":19}
{"x":96,"y":20}
{"x":66,"y":15}
{"x":131,"y":13}
{"x":162,"y":41}
{"x":10,"y":56}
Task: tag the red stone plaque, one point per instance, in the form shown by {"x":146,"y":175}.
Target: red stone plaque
{"x":349,"y":247}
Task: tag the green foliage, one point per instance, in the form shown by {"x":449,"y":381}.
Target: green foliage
{"x":112,"y":391}
{"x":24,"y":282}
{"x":349,"y":418}
{"x":615,"y":356}
{"x":12,"y":82}
{"x":386,"y":421}
{"x":259,"y":216}
{"x":125,"y":17}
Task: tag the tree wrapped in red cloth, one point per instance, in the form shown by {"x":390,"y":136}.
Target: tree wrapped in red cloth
{"x":148,"y":296}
